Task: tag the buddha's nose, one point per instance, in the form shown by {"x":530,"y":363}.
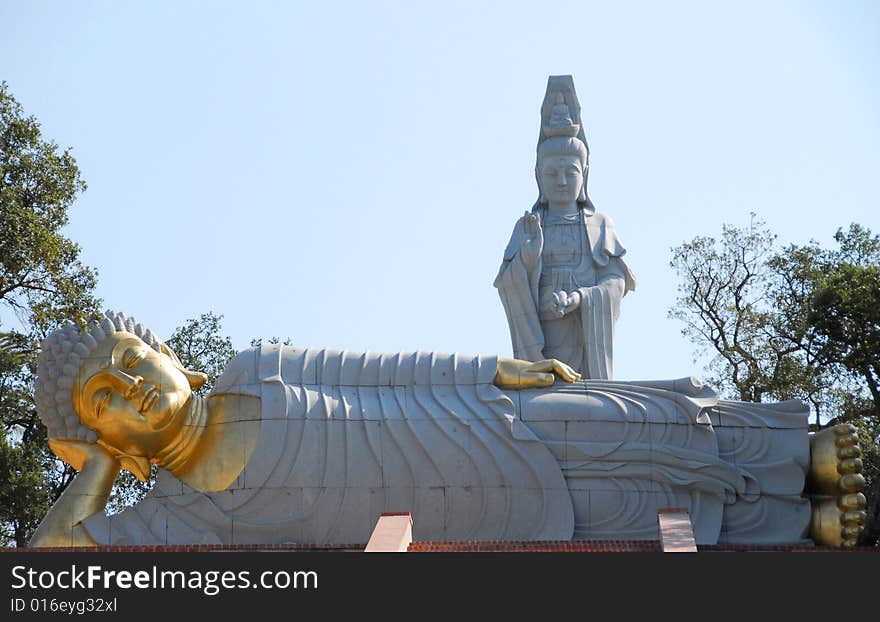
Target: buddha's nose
{"x":126,"y":383}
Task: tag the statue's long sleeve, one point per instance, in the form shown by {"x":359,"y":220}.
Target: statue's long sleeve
{"x":518,"y":288}
{"x":600,"y":308}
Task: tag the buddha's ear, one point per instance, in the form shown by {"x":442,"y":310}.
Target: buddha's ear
{"x":195,"y":378}
{"x":542,"y":197}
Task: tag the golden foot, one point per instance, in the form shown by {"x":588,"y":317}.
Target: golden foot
{"x":835,"y":461}
{"x":834,"y":485}
{"x":838,"y":521}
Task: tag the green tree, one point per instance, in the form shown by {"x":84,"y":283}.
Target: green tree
{"x":201,"y":346}
{"x":845,"y":310}
{"x":258,"y":341}
{"x":41,"y":276}
{"x":23,"y":497}
{"x":799,"y":322}
{"x":844,"y":315}
{"x":723,"y":304}
{"x":42,"y":282}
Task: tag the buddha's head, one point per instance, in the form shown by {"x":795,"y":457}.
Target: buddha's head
{"x":114,"y":383}
{"x":561,"y":170}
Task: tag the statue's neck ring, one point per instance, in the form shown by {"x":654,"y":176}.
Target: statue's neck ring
{"x":177,"y":454}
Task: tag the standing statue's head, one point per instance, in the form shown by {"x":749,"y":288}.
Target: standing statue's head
{"x":115,"y":383}
{"x":563,"y":158}
{"x":561,"y":170}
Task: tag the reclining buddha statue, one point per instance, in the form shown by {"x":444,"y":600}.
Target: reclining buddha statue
{"x":311,"y":446}
{"x":300,"y":445}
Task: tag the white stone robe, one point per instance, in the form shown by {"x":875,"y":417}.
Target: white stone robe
{"x":346,"y":436}
{"x":584,"y":338}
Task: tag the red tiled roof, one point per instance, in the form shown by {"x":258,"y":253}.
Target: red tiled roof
{"x":539,"y":546}
{"x":611,"y":546}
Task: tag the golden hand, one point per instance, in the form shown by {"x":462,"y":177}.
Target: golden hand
{"x":78,"y":453}
{"x":86,"y":495}
{"x":517,"y":374}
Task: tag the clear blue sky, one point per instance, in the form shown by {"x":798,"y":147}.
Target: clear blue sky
{"x":348,"y":174}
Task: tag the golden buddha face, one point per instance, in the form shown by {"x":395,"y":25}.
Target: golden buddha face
{"x":131,"y":395}
{"x":561,"y":177}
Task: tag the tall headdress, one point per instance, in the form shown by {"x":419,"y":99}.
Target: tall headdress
{"x":561,"y":119}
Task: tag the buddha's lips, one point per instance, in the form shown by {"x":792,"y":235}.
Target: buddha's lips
{"x":150,"y":398}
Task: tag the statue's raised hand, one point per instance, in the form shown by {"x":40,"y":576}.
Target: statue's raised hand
{"x":518,"y":374}
{"x":532,"y":241}
{"x":81,"y":454}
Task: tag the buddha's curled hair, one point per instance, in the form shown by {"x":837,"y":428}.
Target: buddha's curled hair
{"x":61,"y":356}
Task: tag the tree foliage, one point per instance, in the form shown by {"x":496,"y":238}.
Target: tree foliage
{"x":258,"y":341}
{"x":846,"y":307}
{"x":42,"y":282}
{"x":722,"y":304}
{"x":796,"y":322}
{"x":41,"y":276}
{"x":201,"y":346}
{"x":23,"y":494}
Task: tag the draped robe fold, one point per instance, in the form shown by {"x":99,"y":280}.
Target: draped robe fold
{"x":345,"y":436}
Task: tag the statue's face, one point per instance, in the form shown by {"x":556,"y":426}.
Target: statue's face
{"x":131,"y":395}
{"x":561,"y":177}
